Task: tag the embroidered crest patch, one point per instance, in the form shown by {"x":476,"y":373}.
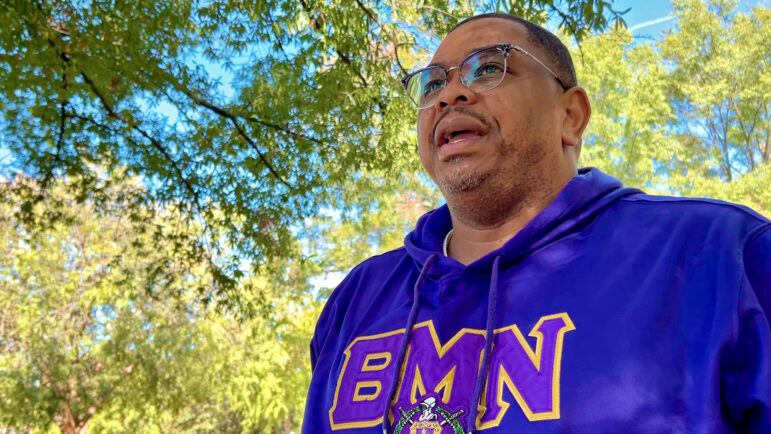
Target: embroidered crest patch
{"x":428,"y":417}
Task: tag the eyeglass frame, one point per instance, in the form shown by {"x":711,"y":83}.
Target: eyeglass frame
{"x":505,"y":48}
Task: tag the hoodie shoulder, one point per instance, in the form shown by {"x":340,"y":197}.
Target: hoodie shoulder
{"x":382,"y":259}
{"x":367,"y":269}
{"x":371,"y":267}
{"x":687,"y":207}
{"x":355,"y":287}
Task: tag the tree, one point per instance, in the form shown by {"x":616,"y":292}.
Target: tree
{"x":315,"y":115}
{"x":139,"y":242}
{"x":720,"y":89}
{"x":251,"y":375}
{"x":687,"y":115}
{"x":340,"y":242}
{"x":720,"y":93}
{"x":628,"y":135}
{"x":87,"y":322}
{"x":98,"y":329}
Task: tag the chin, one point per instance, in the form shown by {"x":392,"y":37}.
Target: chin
{"x":464,"y":182}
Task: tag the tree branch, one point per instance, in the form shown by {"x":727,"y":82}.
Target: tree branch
{"x":108,"y":108}
{"x":342,"y":56}
{"x":156,"y":144}
{"x":283,"y":130}
{"x":224,"y":113}
{"x":254,"y":119}
{"x":368,"y":12}
{"x":62,"y":127}
{"x":391,"y":36}
{"x":747,"y":130}
{"x":347,"y":61}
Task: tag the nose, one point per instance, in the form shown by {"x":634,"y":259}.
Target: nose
{"x":455,"y":92}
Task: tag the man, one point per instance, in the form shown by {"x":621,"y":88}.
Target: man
{"x":542,"y":298}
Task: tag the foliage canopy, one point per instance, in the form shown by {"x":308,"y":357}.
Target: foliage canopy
{"x":314,"y":118}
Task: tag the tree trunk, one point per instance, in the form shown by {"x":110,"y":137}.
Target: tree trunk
{"x":69,"y":423}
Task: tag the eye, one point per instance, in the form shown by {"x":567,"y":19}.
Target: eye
{"x":433,"y":86}
{"x":488,"y":69}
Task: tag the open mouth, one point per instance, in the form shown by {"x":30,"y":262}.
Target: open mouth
{"x":459,"y":135}
{"x":459,"y":130}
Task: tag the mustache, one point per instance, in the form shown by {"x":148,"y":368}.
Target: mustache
{"x":464,"y":111}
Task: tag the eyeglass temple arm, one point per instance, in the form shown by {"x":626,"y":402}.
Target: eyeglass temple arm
{"x":526,"y":53}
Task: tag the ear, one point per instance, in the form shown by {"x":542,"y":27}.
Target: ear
{"x":575,"y":116}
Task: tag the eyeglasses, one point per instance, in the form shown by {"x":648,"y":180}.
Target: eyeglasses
{"x":480,"y":71}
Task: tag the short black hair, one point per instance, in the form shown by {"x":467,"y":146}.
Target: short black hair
{"x":562,"y":62}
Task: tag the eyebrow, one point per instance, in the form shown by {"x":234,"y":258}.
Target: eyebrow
{"x":468,"y":53}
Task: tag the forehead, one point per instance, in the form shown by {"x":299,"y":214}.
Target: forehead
{"x":480,"y":33}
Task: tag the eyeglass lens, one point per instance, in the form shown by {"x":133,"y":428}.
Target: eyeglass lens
{"x":479,"y":72}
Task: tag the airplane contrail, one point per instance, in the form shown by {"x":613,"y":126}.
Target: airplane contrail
{"x":652,"y":22}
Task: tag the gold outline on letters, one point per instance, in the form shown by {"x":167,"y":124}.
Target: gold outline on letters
{"x":347,"y":352}
{"x":371,"y":397}
{"x":535,"y":358}
{"x":366,"y":367}
{"x":446,"y":384}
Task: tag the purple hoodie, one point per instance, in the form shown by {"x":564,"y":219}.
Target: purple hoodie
{"x":611,"y":311}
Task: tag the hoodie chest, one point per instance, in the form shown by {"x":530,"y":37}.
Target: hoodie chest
{"x":561,"y":337}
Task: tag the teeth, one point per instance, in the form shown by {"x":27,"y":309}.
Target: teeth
{"x":450,"y":136}
{"x":453,"y":134}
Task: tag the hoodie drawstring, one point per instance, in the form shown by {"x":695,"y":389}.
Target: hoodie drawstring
{"x":487,"y":354}
{"x":406,"y":339}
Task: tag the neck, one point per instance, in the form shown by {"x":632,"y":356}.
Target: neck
{"x":473,"y":238}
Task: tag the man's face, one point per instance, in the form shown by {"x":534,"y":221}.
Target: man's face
{"x":507,"y":137}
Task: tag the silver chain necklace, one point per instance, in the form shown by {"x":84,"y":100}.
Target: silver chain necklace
{"x":446,"y":242}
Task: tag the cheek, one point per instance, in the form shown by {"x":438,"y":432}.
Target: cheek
{"x":424,"y":125}
{"x":520,"y":121}
{"x":424,"y":133}
{"x":425,"y":159}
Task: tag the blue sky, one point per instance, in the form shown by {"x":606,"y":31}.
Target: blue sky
{"x":652,"y":17}
{"x":647,"y":18}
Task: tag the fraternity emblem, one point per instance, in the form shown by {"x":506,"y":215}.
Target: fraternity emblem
{"x":429,"y":418}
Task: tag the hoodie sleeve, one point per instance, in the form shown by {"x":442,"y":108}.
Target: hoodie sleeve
{"x":757,"y":263}
{"x":328,"y":323}
{"x":322,"y":330}
{"x":746,"y":369}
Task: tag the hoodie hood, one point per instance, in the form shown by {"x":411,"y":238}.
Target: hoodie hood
{"x":586,"y":195}
{"x":583,"y":197}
